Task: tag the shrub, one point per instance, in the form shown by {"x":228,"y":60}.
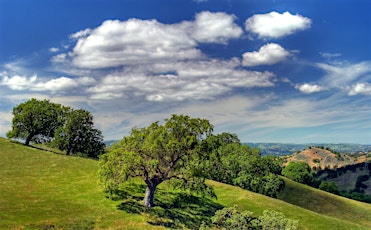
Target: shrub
{"x":273,"y":220}
{"x":329,"y":187}
{"x":232,"y":218}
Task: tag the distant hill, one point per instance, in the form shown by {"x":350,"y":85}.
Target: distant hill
{"x":110,"y":142}
{"x":43,"y":190}
{"x":345,"y":170}
{"x":281,"y":149}
{"x":320,"y":158}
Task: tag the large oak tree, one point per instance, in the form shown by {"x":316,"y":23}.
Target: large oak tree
{"x":58,"y":125}
{"x":78,"y":135}
{"x":158,"y":153}
{"x":36,"y":118}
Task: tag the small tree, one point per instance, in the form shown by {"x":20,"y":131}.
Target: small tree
{"x":158,"y":153}
{"x":232,"y":218}
{"x":36,"y":118}
{"x":273,"y":220}
{"x":78,"y":135}
{"x":329,"y":186}
{"x":299,"y":172}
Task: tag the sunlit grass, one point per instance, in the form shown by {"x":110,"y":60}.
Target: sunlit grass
{"x":40,"y":189}
{"x":229,"y":196}
{"x":326,"y":203}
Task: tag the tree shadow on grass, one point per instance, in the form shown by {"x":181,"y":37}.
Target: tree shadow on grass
{"x":173,"y":209}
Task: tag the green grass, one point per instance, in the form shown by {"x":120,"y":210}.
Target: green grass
{"x":326,"y":203}
{"x":43,"y":190}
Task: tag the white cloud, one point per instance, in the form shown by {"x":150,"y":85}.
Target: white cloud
{"x":32,"y":83}
{"x":18,"y":82}
{"x":268,"y":54}
{"x":80,"y":34}
{"x":53,"y":49}
{"x":60,"y":58}
{"x":135,"y":41}
{"x":341,"y":74}
{"x":309,"y":88}
{"x":215,"y":27}
{"x":119,"y":43}
{"x":275,"y":25}
{"x":360,"y":88}
{"x":64,"y":83}
{"x":183,"y":81}
{"x":330,"y":55}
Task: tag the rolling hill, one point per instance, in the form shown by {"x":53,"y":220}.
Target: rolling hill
{"x":320,"y":158}
{"x":43,"y":190}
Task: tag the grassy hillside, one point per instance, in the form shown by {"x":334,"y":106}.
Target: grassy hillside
{"x":326,"y":203}
{"x":42,"y":190}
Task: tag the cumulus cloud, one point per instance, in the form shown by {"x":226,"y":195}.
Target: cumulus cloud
{"x":135,"y":41}
{"x":309,"y":88}
{"x":215,"y":27}
{"x":268,"y":54}
{"x":160,"y":62}
{"x":18,"y":82}
{"x":275,"y":25}
{"x":118,"y":43}
{"x":32,"y":83}
{"x":360,"y":88}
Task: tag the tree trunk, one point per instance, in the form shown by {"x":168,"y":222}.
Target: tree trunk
{"x":28,"y":139}
{"x":150,"y":195}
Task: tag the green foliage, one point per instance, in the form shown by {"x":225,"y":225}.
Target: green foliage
{"x":36,"y":119}
{"x":273,"y":220}
{"x":41,"y":121}
{"x":232,"y":218}
{"x":232,"y":163}
{"x":329,"y":187}
{"x":356,"y":195}
{"x":158,"y":153}
{"x":78,"y":135}
{"x":299,"y":172}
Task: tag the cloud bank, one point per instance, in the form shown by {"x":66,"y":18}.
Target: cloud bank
{"x":32,"y":83}
{"x":164,"y":62}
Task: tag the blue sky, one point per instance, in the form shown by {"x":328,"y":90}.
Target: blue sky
{"x":267,"y":70}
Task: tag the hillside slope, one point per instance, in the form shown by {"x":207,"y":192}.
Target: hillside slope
{"x":319,"y":158}
{"x":42,"y":190}
{"x":325,"y":203}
